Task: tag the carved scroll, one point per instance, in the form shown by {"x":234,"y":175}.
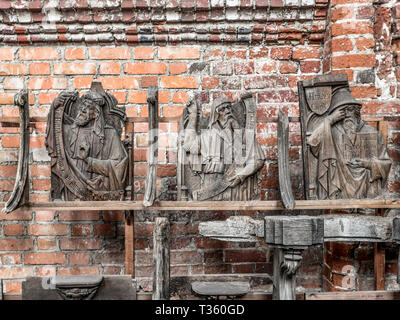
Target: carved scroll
{"x":150,"y":192}
{"x":285,"y":187}
{"x":20,"y":194}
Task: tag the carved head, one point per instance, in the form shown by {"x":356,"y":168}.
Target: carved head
{"x":91,"y":111}
{"x":341,"y":96}
{"x":221,"y":111}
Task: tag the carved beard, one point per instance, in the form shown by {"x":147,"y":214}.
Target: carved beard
{"x":350,"y":125}
{"x":82,"y":122}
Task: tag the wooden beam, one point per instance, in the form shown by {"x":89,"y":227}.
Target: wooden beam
{"x":354,"y":295}
{"x":130,"y":243}
{"x":379,"y":260}
{"x":161,"y":252}
{"x":211,"y":205}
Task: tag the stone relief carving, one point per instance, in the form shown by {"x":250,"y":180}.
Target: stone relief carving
{"x":219,"y":157}
{"x":344,"y":157}
{"x":88,"y":159}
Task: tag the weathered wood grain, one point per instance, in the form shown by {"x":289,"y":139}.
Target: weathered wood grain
{"x":161,"y":255}
{"x":354,"y":295}
{"x":130,"y":243}
{"x":285,"y":186}
{"x":335,"y":228}
{"x":151,"y":190}
{"x":20,"y":194}
{"x":211,"y":205}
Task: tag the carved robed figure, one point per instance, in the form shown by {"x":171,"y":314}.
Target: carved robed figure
{"x":345,"y":157}
{"x":88,"y":159}
{"x":219,"y":156}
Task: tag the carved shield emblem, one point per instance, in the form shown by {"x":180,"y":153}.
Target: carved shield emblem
{"x":319,"y":99}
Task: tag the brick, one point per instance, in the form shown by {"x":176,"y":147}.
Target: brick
{"x":365,"y":43}
{"x":80,"y":244}
{"x":342,"y":13}
{"x":14,"y":83}
{"x":13,"y":287}
{"x":10,"y":141}
{"x":180,"y":97}
{"x":7,"y":98}
{"x":277,"y":96}
{"x":8,"y":171}
{"x":177,"y":68}
{"x":39,"y":83}
{"x":18,"y":215}
{"x":137,"y":97}
{"x":223,"y":68}
{"x":12,"y":69}
{"x":74,"y":68}
{"x":42,"y":68}
{"x":39,"y":54}
{"x":113,"y":216}
{"x":83,"y":82}
{"x":280,"y":53}
{"x":172,"y":111}
{"x":351,"y":27}
{"x":110,"y":68}
{"x":169,"y":53}
{"x":245,"y":256}
{"x":48,"y":229}
{"x":109,"y":53}
{"x":79,"y":258}
{"x":14,"y":229}
{"x":302,"y":53}
{"x":353,"y":60}
{"x":145,"y":68}
{"x":176,"y":82}
{"x":244,"y":68}
{"x":6,"y":54}
{"x":185,"y":257}
{"x":310,"y":66}
{"x":16,"y":272}
{"x":148,"y":81}
{"x":11,"y":258}
{"x":45,"y":258}
{"x":46,"y":244}
{"x":288,"y":67}
{"x":38,"y":170}
{"x":81,"y":229}
{"x":143,"y":53}
{"x":104,"y":230}
{"x":16,"y":244}
{"x":36,"y":142}
{"x":76,"y":271}
{"x":118,"y":83}
{"x":210,"y":82}
{"x":341,"y":44}
{"x":78,"y":216}
{"x":75,"y":53}
{"x":360,"y":92}
{"x":260,"y":82}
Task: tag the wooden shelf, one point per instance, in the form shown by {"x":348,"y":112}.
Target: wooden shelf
{"x":212,"y":205}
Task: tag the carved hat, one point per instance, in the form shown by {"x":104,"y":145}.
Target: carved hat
{"x":342,"y":96}
{"x":215,"y":105}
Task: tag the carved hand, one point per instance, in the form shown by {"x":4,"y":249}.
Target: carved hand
{"x":337,"y":115}
{"x":235,"y":180}
{"x":360,"y":163}
{"x":83,"y":151}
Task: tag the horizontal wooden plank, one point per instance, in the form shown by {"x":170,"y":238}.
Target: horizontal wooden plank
{"x":213,"y":205}
{"x":354,"y":295}
{"x":176,"y":119}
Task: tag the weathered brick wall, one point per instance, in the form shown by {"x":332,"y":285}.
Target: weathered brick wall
{"x":263,"y":47}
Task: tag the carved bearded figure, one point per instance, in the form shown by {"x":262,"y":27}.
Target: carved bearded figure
{"x":352,"y":159}
{"x":94,"y":162}
{"x":223,"y":155}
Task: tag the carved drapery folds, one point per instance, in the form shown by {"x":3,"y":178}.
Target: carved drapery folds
{"x":219,"y":157}
{"x":20,"y":194}
{"x":88,"y":159}
{"x":344,"y":157}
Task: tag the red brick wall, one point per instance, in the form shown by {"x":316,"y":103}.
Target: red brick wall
{"x":263,"y":49}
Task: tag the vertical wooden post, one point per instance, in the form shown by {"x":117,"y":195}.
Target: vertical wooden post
{"x":161,"y":251}
{"x":130,"y":243}
{"x":151,"y":179}
{"x":379,"y":260}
